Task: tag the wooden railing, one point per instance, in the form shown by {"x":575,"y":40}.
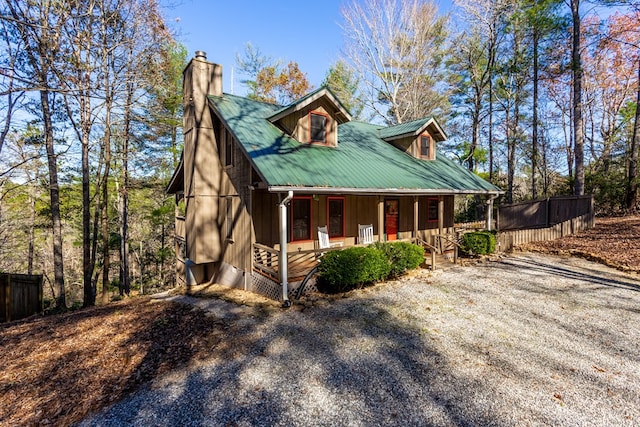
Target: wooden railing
{"x":265,"y":260}
{"x":302,"y":262}
{"x":418,"y":241}
{"x":447,"y":243}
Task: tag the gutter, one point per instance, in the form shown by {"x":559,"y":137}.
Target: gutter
{"x":490,"y":210}
{"x":284,"y":273}
{"x":372,"y":191}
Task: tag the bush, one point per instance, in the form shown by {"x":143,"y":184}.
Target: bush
{"x":341,"y":271}
{"x":402,"y":256}
{"x":478,"y":243}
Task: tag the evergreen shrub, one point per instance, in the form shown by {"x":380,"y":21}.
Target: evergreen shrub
{"x":402,"y":256}
{"x":478,"y":243}
{"x":351,"y":268}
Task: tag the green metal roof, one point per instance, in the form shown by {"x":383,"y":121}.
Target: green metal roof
{"x":362,"y":161}
{"x":403,"y":128}
{"x":321,"y":91}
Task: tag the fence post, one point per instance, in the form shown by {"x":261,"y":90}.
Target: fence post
{"x":7,"y":298}
{"x":546,"y":205}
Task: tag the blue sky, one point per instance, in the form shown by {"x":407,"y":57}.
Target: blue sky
{"x":306,"y":32}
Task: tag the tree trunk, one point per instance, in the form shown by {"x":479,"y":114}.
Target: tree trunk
{"x":534,"y":125}
{"x":106,"y":258}
{"x":578,"y":131}
{"x":54,"y":192}
{"x":87,"y":262}
{"x":32,"y":225}
{"x":492,"y":58}
{"x":632,"y":177}
{"x":124,"y":213}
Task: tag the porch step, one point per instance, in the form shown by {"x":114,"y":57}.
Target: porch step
{"x":442,"y":260}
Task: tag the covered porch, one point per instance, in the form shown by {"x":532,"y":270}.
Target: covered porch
{"x":287,"y":246}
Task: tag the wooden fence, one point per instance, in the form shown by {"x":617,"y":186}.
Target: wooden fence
{"x":543,"y":213}
{"x":506,"y":240}
{"x":20,"y":296}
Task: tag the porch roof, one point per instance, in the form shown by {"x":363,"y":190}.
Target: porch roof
{"x":362,"y":162}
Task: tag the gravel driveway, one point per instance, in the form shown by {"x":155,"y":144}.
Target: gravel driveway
{"x":529,"y":340}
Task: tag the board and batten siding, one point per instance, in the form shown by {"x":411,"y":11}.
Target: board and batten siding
{"x":358,"y":210}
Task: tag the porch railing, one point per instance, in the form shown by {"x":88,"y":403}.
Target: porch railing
{"x":265,"y":260}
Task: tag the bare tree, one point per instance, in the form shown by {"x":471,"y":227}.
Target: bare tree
{"x":398,"y":48}
{"x":475,"y":57}
{"x":576,"y":68}
{"x":38,"y":25}
{"x":10,"y":93}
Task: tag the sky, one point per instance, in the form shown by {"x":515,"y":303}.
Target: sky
{"x":308,"y":33}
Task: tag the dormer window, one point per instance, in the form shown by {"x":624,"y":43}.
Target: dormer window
{"x":317,"y":128}
{"x":426,"y":147}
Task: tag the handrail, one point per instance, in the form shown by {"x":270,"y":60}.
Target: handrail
{"x":432,"y":249}
{"x":445,"y":237}
{"x":421,"y":242}
{"x":266,"y":248}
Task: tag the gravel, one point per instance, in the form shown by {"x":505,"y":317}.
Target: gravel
{"x":527,"y":340}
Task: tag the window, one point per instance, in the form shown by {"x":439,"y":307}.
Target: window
{"x":335,"y":215}
{"x":228,"y":149}
{"x":426,"y":147}
{"x":432,"y":210}
{"x":318,"y":128}
{"x":301,"y":218}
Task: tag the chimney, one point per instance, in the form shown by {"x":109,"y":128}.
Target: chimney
{"x":202,"y":167}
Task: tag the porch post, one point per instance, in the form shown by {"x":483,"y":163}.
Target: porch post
{"x":441,"y":214}
{"x":380,"y":218}
{"x":415,"y":216}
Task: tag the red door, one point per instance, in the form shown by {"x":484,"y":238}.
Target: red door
{"x":391,"y":209}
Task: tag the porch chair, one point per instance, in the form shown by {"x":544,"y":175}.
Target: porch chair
{"x":365,"y":234}
{"x":323,"y":239}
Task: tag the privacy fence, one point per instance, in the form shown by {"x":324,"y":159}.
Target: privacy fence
{"x":20,"y":296}
{"x":542,"y":220}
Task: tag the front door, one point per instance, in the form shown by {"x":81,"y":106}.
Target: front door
{"x":391,"y":209}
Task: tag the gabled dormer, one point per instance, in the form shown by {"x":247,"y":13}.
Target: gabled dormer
{"x":313,"y":119}
{"x":417,"y":138}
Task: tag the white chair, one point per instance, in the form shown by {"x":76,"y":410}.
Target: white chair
{"x":323,"y":239}
{"x":365,"y":234}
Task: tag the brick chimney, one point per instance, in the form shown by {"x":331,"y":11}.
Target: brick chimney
{"x":202,"y":167}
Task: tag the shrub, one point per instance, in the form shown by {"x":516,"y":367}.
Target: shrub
{"x":402,"y":256}
{"x":478,"y":243}
{"x":341,"y":271}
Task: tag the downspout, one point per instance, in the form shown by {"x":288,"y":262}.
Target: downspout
{"x":284,"y":273}
{"x":490,"y":210}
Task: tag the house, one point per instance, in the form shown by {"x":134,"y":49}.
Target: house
{"x":256,"y":181}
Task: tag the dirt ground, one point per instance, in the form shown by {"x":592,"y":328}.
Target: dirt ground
{"x":58,"y":369}
{"x":613,"y":241}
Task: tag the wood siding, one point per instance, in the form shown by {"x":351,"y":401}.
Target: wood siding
{"x":358,"y":210}
{"x":297,"y":123}
{"x":234,"y":216}
{"x":411,"y":145}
